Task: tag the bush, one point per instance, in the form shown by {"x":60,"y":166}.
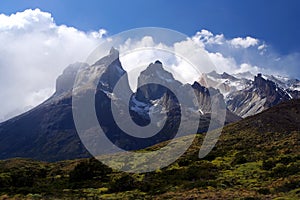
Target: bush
{"x":5,"y":180}
{"x":281,"y":170}
{"x":89,"y":170}
{"x":26,"y":177}
{"x":123,"y":183}
{"x":239,"y":158}
{"x":268,"y":164}
{"x":288,"y":186}
{"x":263,"y":191}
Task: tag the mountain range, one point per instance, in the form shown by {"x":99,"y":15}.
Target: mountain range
{"x":47,"y":132}
{"x":246,"y":94}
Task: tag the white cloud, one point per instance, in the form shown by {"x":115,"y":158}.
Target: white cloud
{"x":244,"y":42}
{"x":262,"y":47}
{"x":223,"y":64}
{"x":226,"y":54}
{"x":234,"y":55}
{"x":34,"y":51}
{"x":246,"y":67}
{"x":207,"y":37}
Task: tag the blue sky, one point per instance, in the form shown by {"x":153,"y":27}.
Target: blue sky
{"x":276,"y":21}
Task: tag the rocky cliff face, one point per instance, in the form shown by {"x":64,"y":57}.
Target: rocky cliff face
{"x":261,"y":95}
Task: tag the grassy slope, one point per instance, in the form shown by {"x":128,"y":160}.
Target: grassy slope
{"x":256,"y":158}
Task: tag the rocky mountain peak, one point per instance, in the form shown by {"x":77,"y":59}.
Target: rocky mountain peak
{"x":107,"y":71}
{"x":153,"y":68}
{"x":110,"y":58}
{"x":213,"y":74}
{"x":158,"y":62}
{"x":65,"y":82}
{"x":228,"y":76}
{"x":114,"y":51}
{"x":259,"y":81}
{"x":267,"y":88}
{"x":197,"y":86}
{"x":154,"y":73}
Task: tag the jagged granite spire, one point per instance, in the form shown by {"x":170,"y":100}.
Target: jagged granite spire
{"x":111,"y":57}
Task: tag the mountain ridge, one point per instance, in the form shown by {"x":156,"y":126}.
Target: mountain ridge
{"x":48,"y":132}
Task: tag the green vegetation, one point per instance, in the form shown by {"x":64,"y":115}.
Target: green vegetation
{"x":265,"y":170}
{"x":252,"y":160}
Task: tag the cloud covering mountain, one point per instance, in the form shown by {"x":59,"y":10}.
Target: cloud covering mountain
{"x":34,"y":51}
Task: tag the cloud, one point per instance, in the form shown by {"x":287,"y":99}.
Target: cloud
{"x":245,"y":67}
{"x":207,"y":37}
{"x":244,"y":42}
{"x":262,"y":47}
{"x":223,"y":64}
{"x":34,"y":51}
{"x":234,"y":54}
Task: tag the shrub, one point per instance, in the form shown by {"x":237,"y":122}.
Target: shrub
{"x":123,"y":183}
{"x":268,"y":164}
{"x":88,"y":170}
{"x":239,"y":158}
